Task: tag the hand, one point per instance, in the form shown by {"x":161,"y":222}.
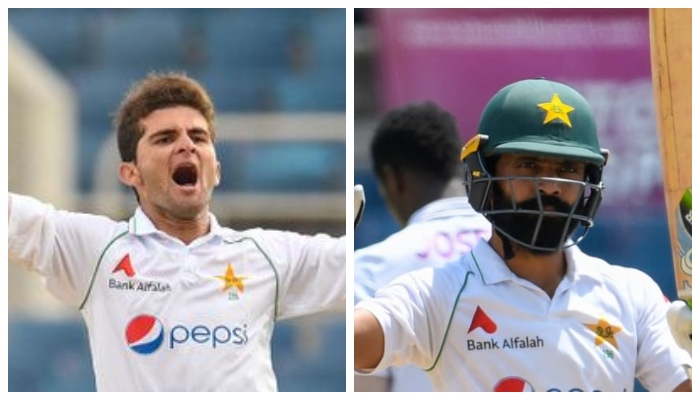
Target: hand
{"x":680,"y":320}
{"x":359,"y":203}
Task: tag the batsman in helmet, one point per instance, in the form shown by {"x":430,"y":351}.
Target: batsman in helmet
{"x":535,"y":170}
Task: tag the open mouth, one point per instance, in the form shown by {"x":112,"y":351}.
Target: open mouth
{"x":185,"y":175}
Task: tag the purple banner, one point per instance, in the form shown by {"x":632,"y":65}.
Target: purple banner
{"x":459,"y":58}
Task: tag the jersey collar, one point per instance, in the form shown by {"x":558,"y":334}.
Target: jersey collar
{"x":493,"y":269}
{"x":140,"y":224}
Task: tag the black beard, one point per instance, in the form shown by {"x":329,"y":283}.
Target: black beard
{"x":522,"y":226}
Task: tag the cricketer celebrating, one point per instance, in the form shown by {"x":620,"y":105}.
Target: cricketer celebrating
{"x":172,"y":300}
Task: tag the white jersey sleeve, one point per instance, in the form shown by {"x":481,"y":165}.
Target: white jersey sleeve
{"x":311,"y":271}
{"x":62,"y":247}
{"x":414,"y":312}
{"x":366,"y":268}
{"x":437,"y":233}
{"x":659,"y":359}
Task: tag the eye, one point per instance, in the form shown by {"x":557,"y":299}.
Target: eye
{"x":163,"y":140}
{"x":199,"y":137}
{"x":526,"y":164}
{"x":570,"y":169}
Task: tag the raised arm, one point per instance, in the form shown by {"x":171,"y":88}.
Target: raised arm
{"x":369,"y":340}
{"x":685,"y":386}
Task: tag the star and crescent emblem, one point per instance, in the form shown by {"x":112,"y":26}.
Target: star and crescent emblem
{"x":556,"y":110}
{"x":231,"y":280}
{"x":605,"y":332}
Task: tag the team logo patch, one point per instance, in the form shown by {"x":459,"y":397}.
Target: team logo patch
{"x":556,"y":110}
{"x":144,"y":334}
{"x":604,"y":332}
{"x":233,"y":284}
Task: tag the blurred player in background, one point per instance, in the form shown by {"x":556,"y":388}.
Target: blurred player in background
{"x":527,"y":310}
{"x":172,"y":300}
{"x":415,"y":157}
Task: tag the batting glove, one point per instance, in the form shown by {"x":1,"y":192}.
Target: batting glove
{"x":359,"y":203}
{"x":680,"y":319}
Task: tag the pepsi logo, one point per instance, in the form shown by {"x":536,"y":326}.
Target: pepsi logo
{"x":144,"y":334}
{"x":513,"y":384}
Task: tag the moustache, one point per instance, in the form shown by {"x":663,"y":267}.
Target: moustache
{"x":547,"y":201}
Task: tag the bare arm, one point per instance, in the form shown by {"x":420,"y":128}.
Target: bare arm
{"x":371,"y":383}
{"x":369,"y":340}
{"x":685,"y":386}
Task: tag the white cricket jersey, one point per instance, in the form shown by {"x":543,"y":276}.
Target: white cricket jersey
{"x":475,"y":326}
{"x":438,"y":232}
{"x":165,"y":316}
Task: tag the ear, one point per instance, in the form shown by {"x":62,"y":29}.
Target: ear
{"x":218,"y":174}
{"x":129,"y":174}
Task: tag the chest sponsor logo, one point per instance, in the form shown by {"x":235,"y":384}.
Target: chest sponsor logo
{"x":518,"y":384}
{"x":482,"y":321}
{"x":124,"y":277}
{"x":125,"y":267}
{"x":145,"y":334}
{"x":233,"y":285}
{"x":513,"y":384}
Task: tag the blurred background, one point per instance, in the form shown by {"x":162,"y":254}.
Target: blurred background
{"x":460,"y":58}
{"x":277,"y":78}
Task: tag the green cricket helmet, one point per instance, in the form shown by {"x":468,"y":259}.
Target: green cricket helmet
{"x":542,"y":118}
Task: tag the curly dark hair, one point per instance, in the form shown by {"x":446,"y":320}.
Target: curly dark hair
{"x":155,"y":92}
{"x":420,"y":137}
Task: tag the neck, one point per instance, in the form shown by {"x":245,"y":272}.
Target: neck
{"x":421,"y":195}
{"x":186,"y":229}
{"x":545,"y":271}
{"x":454,"y":188}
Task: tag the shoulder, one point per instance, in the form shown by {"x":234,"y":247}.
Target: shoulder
{"x":450,"y":211}
{"x":412,"y":238}
{"x":263,"y":234}
{"x":394,"y":247}
{"x":625,"y":279}
{"x":447,"y":278}
{"x":281,"y":239}
{"x":27,"y":212}
{"x":606,"y":269}
{"x":403,"y":250}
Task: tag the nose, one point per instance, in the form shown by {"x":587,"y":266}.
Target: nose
{"x":548,"y":187}
{"x":185,"y":143}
